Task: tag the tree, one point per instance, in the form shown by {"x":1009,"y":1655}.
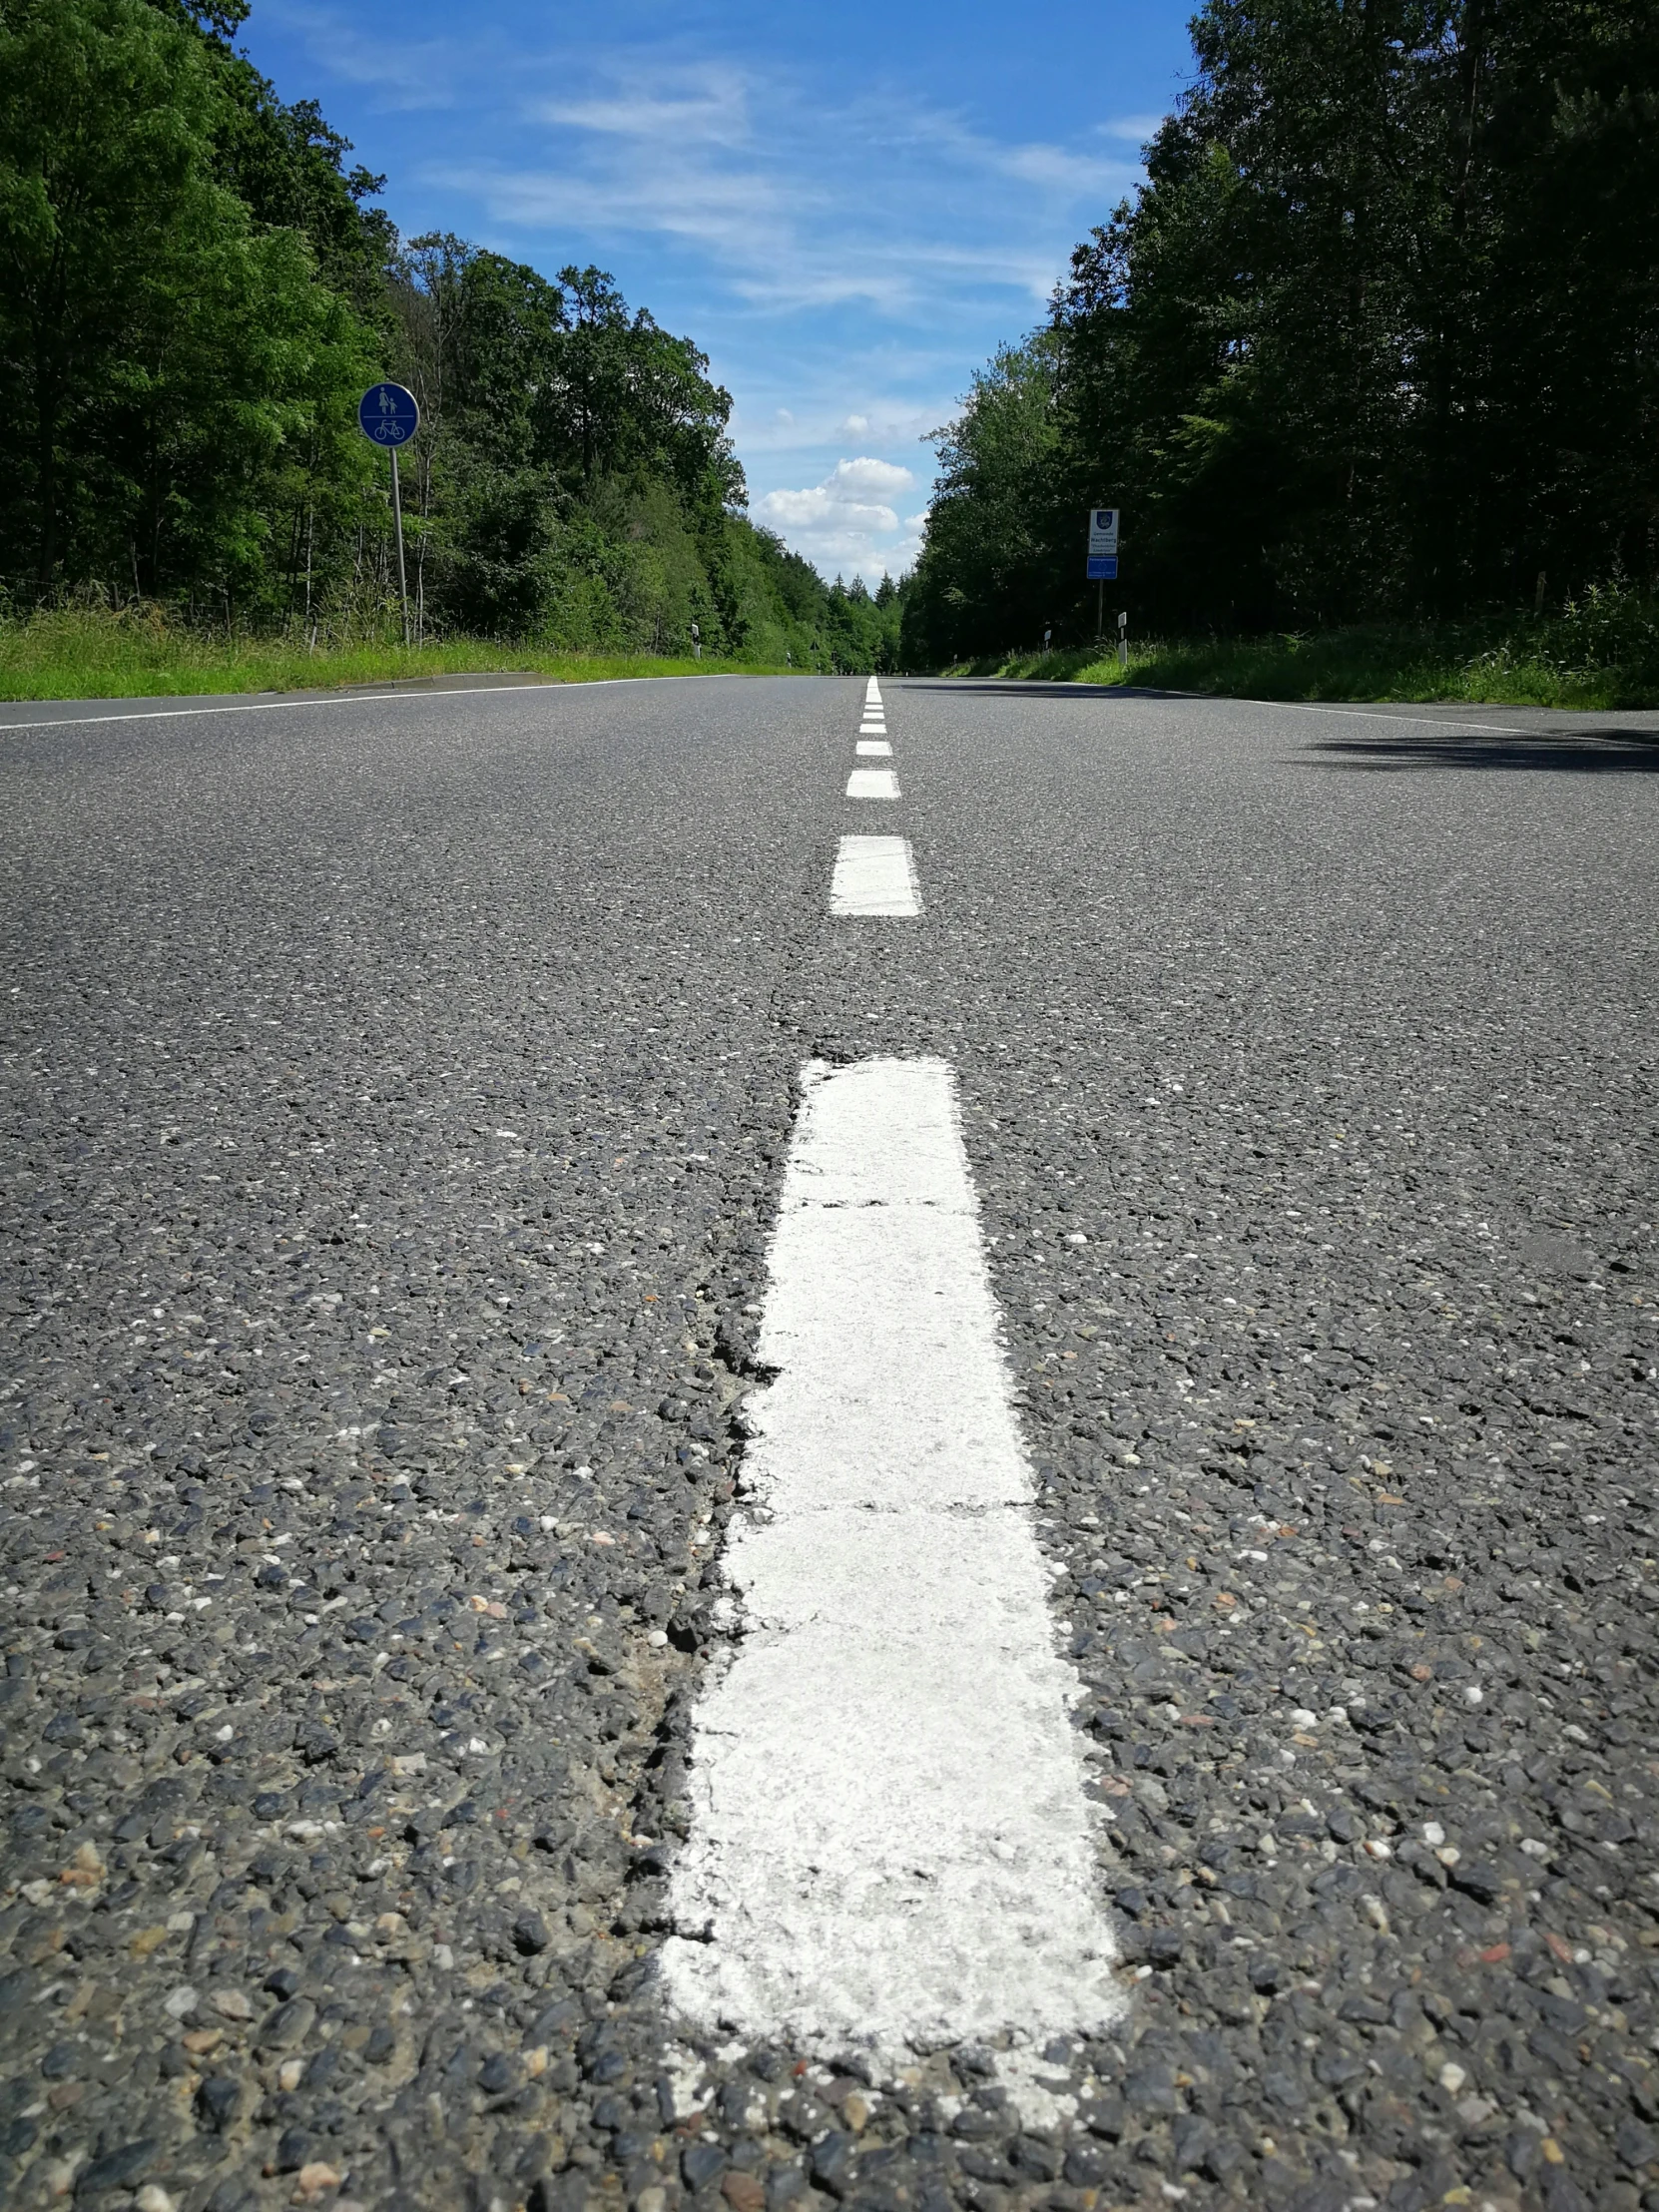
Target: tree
{"x":1376,"y":337}
{"x":157,"y":355}
{"x":987,"y":570}
{"x":196,"y":287}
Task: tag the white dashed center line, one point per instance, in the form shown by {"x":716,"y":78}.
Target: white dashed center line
{"x":876,"y":748}
{"x":873,"y":783}
{"x":890,"y":1845}
{"x":874,"y":876}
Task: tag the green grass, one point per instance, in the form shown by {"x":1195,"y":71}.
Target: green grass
{"x":94,"y":653}
{"x":1602,"y":652}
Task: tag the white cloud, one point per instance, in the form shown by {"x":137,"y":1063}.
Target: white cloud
{"x":817,"y":509}
{"x":867,"y":475}
{"x":846,"y":523}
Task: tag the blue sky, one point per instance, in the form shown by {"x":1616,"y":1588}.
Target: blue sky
{"x":848,"y":208}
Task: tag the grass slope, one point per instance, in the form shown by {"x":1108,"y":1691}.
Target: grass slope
{"x":82,"y":653}
{"x":1600,"y":653}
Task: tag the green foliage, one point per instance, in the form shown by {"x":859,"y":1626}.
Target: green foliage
{"x":573,"y":476}
{"x":860,"y":628}
{"x":159,"y":355}
{"x":1376,"y":340}
{"x":195,"y":289}
{"x":998,"y":509}
{"x":86,"y":650}
{"x":1599,"y":651}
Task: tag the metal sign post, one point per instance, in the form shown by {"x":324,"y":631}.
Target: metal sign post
{"x":397,"y":520}
{"x":1103,"y":561}
{"x":388,"y":415}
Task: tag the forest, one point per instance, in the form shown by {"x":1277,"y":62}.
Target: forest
{"x":1374,"y":349}
{"x":195,"y":285}
{"x":1376,"y":341}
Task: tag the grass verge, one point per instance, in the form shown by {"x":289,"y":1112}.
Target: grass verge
{"x":89,"y":652}
{"x":1601,"y":652}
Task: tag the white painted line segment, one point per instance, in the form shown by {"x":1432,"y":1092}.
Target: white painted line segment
{"x":352,"y":699}
{"x":1372,"y":714}
{"x":875,"y":748}
{"x":1365,"y":714}
{"x":890,"y":1845}
{"x":875,"y":729}
{"x":873,"y":783}
{"x":874,"y":876}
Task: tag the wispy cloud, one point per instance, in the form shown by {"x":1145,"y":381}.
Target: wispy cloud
{"x":714,"y":110}
{"x":1137,"y":129}
{"x":404,"y":73}
{"x":880,"y":420}
{"x":793,"y":204}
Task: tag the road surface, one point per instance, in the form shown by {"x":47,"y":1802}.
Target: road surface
{"x":769,"y":1444}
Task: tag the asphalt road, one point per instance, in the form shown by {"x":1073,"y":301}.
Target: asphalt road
{"x":399,"y":1092}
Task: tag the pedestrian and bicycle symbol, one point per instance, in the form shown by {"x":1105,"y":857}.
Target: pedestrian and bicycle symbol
{"x":388,"y":415}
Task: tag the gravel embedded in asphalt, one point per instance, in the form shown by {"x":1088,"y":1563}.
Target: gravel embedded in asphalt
{"x":399,"y":1091}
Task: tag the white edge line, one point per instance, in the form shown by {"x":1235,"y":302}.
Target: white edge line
{"x":1374,"y":714}
{"x":357,"y":699}
{"x":1366,"y":714}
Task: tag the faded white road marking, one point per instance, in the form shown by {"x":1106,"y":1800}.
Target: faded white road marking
{"x":1372,"y":714}
{"x":874,"y":729}
{"x":875,"y":747}
{"x":872,"y":692}
{"x":889,"y":1843}
{"x":873,"y":783}
{"x":874,"y":876}
{"x":169,"y":713}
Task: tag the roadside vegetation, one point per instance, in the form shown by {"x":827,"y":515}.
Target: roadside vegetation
{"x":196,"y":287}
{"x":1600,"y":652}
{"x":142,"y":648}
{"x":137,"y":653}
{"x":1366,"y":364}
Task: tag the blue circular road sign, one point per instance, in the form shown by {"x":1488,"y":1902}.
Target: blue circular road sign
{"x":388,"y":415}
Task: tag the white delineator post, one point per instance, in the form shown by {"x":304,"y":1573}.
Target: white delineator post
{"x":890,"y":1845}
